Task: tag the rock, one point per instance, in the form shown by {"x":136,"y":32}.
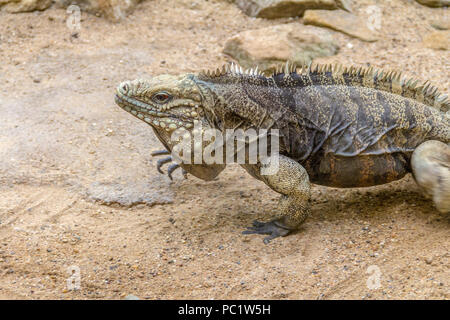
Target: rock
{"x":439,"y":40}
{"x":434,"y":3}
{"x":442,"y":24}
{"x":129,"y":193}
{"x":131,"y":297}
{"x":15,"y":6}
{"x":272,"y":9}
{"x":341,"y":21}
{"x":428,"y":260}
{"x":113,"y":10}
{"x":268,"y":47}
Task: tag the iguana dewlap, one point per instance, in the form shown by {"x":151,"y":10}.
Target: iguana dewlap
{"x":340,"y":127}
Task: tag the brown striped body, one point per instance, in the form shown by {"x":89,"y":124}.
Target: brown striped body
{"x":366,"y":140}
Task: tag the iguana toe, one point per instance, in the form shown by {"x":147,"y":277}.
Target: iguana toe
{"x":160,"y":162}
{"x":163,"y":161}
{"x":271,"y":228}
{"x":174,"y":167}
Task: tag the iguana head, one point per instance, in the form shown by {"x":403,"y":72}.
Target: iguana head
{"x":165,"y":102}
{"x":168,"y":103}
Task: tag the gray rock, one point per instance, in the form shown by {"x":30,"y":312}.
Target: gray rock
{"x":131,"y":297}
{"x":268,"y":47}
{"x":131,"y":193}
{"x":15,"y":6}
{"x":272,"y":9}
{"x":113,"y":10}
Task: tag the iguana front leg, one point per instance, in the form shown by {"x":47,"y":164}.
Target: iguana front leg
{"x":292,"y":181}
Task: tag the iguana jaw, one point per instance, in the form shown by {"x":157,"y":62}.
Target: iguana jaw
{"x":135,"y":97}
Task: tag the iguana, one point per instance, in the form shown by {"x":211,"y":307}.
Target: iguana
{"x":339,"y":126}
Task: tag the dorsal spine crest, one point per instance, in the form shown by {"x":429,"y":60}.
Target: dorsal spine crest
{"x":389,"y":81}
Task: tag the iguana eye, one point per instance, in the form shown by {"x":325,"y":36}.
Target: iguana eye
{"x":161,"y":97}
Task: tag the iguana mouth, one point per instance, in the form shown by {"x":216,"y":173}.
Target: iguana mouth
{"x":147,"y":113}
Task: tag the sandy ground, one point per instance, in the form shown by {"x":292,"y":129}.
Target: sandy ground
{"x":79,"y":189}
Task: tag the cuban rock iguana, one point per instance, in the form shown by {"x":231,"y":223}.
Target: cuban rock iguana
{"x":338,"y":126}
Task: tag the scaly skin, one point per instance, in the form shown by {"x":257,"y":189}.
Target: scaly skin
{"x":340,"y":127}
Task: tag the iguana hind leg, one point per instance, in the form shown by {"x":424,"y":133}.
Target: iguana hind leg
{"x":292,"y":181}
{"x":430,"y":163}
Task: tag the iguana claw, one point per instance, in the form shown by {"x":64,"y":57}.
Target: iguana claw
{"x":160,"y":152}
{"x":168,"y":159}
{"x":270,"y":228}
{"x":160,"y":162}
